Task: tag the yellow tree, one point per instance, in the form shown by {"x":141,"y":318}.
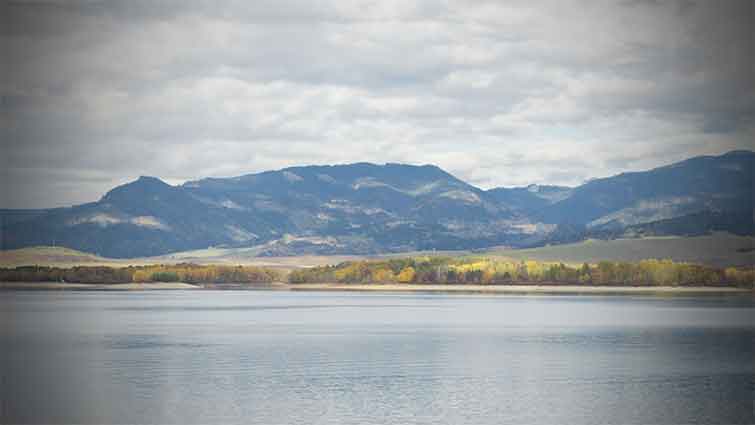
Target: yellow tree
{"x":406,"y":275}
{"x":142,"y":276}
{"x":382,"y":275}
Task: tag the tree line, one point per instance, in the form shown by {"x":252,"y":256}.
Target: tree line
{"x":417,"y":270}
{"x":464,"y":270}
{"x":189,"y":273}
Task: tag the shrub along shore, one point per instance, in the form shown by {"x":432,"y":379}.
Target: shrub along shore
{"x":416,"y":270}
{"x":491,"y":271}
{"x":186,"y":273}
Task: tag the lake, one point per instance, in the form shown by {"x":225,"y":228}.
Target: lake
{"x":266,"y":357}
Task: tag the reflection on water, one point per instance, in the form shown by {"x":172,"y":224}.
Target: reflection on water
{"x":277,"y":357}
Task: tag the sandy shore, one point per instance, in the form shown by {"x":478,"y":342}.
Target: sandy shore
{"x":485,"y":289}
{"x":96,"y":287}
{"x":516,"y":289}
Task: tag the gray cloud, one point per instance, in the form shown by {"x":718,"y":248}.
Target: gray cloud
{"x":498,"y":93}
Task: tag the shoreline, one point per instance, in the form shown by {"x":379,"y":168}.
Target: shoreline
{"x":59,"y":286}
{"x":520,"y":289}
{"x":377,"y":288}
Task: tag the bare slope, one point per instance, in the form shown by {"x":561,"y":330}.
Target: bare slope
{"x":51,"y":256}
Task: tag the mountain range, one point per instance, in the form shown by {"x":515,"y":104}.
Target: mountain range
{"x":365,"y":208}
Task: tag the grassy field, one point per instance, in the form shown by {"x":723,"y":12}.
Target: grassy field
{"x":717,"y":250}
{"x":54,"y":257}
{"x":65,"y":257}
{"x":248,"y":257}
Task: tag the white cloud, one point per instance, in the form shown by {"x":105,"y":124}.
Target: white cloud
{"x":497,"y":94}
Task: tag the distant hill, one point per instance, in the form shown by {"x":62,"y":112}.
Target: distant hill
{"x":705,"y":183}
{"x":716,"y":249}
{"x":366,"y":208}
{"x":49,"y":256}
{"x":695,"y":224}
{"x":357,"y":208}
{"x":531,"y":199}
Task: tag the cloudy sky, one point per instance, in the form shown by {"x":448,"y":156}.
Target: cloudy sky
{"x":498,"y":93}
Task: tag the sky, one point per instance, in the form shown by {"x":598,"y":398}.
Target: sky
{"x":498,"y":93}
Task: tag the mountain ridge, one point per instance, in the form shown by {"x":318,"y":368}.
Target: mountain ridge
{"x":367,"y":208}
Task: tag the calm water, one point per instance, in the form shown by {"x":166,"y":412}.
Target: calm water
{"x":278,"y":357}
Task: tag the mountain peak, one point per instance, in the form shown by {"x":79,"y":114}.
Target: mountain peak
{"x":740,"y":152}
{"x":149,"y":179}
{"x":142,"y":185}
{"x":148,"y":182}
